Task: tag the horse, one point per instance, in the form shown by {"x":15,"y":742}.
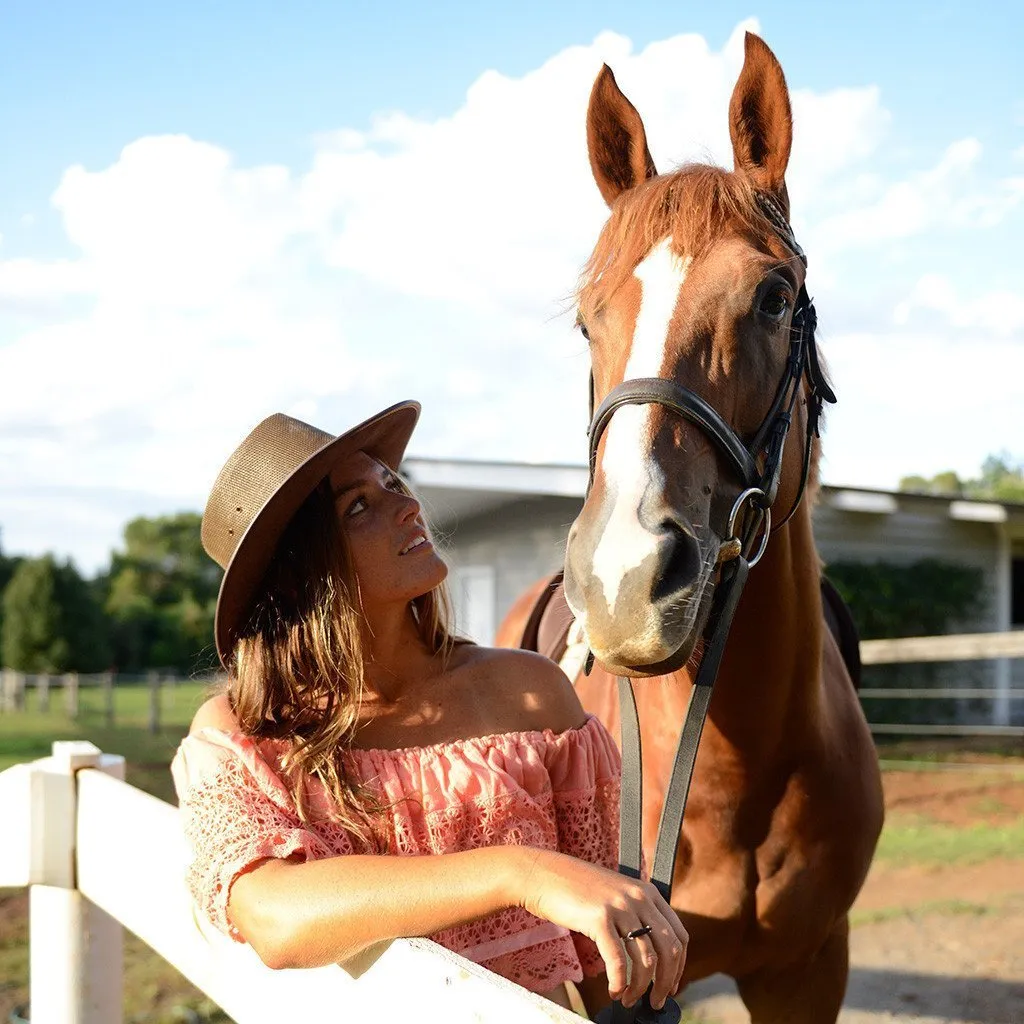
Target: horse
{"x":696,"y":279}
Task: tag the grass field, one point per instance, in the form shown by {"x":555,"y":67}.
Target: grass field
{"x":29,"y":734}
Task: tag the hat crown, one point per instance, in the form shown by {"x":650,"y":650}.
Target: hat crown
{"x":268,"y":456}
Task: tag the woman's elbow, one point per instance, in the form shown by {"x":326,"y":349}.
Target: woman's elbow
{"x":269,"y":940}
{"x":283,"y":945}
{"x":270,"y":934}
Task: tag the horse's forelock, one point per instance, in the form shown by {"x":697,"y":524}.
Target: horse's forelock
{"x":696,"y":204}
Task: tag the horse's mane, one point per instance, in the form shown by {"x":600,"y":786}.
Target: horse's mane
{"x":695,"y":204}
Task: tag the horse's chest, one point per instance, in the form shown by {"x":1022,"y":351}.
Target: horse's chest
{"x":749,"y":865}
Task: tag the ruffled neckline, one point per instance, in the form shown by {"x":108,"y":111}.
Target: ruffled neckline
{"x":488,"y":740}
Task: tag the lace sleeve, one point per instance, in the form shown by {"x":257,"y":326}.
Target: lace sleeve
{"x":585,"y":787}
{"x":233,"y":816}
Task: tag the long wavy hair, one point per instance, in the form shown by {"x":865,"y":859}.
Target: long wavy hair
{"x":299,"y":663}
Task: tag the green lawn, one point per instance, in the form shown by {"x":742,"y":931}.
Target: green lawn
{"x":26,"y":735}
{"x":908,"y":839}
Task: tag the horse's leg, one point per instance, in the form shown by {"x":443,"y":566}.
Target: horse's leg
{"x":810,"y":992}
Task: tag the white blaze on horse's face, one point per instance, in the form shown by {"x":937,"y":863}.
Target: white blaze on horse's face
{"x":627,"y":466}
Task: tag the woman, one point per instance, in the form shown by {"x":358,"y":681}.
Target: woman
{"x":355,"y":731}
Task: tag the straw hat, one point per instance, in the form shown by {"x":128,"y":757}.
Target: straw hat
{"x":263,"y":484}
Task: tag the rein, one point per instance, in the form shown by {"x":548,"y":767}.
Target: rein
{"x":741,"y":551}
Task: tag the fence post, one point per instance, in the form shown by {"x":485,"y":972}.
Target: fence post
{"x":153,"y":680}
{"x":107,"y":682}
{"x":6,"y":687}
{"x":12,"y":691}
{"x":43,"y":691}
{"x":76,"y":950}
{"x":71,"y":693}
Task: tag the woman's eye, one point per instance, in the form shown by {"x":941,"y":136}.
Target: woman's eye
{"x":357,"y":506}
{"x":775,"y":304}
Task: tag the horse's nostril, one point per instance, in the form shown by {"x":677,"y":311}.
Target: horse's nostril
{"x":680,"y":561}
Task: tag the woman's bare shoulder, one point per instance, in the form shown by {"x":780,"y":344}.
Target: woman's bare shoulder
{"x":216,"y":713}
{"x":532,"y":689}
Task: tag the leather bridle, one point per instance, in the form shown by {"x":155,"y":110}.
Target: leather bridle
{"x":757,"y":464}
{"x":759,"y":483}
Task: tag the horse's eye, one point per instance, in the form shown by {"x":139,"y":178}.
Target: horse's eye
{"x":774,"y":304}
{"x":583,"y":329}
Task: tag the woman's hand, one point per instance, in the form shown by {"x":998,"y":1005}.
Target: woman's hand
{"x":606,"y":907}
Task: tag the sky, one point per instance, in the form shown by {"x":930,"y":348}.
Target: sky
{"x":209,"y":213}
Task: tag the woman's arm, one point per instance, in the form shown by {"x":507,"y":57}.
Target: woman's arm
{"x":326,"y":911}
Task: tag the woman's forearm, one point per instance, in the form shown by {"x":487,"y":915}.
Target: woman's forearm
{"x":325,"y":911}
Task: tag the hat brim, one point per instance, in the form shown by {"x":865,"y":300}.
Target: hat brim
{"x":384,"y":436}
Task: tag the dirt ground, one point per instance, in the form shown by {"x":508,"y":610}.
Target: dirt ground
{"x":935,"y":943}
{"x":931,"y":944}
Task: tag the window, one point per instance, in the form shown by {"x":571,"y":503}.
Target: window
{"x":473,"y":594}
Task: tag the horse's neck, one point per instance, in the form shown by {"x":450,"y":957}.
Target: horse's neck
{"x":769,"y":680}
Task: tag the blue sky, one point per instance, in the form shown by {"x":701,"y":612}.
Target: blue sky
{"x":197,"y":187}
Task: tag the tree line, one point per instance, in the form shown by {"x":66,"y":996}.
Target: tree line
{"x":1001,"y":480}
{"x":152,"y":607}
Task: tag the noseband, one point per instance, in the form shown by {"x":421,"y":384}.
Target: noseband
{"x":759,"y":484}
{"x":759,"y":488}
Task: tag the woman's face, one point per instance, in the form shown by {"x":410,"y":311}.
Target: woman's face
{"x":392,"y":555}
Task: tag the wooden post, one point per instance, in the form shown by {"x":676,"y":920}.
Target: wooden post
{"x":71,"y":693}
{"x":153,"y":680}
{"x":12,"y":691}
{"x":107,"y":682}
{"x":43,"y":691}
{"x":76,"y":950}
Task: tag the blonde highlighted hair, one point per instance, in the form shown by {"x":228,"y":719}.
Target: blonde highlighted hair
{"x":299,"y":662}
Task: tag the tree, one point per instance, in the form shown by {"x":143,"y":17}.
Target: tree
{"x":52,"y":621}
{"x":942,"y":483}
{"x":7,"y":566}
{"x":1001,"y":480}
{"x":161,"y":593}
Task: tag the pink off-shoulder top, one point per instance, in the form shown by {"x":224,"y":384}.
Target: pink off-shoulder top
{"x":556,"y":791}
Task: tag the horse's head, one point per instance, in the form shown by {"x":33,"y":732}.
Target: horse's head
{"x":695,"y":279}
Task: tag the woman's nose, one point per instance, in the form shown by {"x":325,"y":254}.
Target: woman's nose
{"x":409,"y":508}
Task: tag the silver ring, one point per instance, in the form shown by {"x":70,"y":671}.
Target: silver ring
{"x":766,"y":513}
{"x":637,"y":932}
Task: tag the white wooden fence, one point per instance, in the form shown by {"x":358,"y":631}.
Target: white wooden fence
{"x":68,"y":687}
{"x":965,"y":647}
{"x":100,"y":855}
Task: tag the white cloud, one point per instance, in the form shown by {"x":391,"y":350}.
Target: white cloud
{"x":996,"y":313}
{"x":418,"y":258}
{"x":911,"y":402}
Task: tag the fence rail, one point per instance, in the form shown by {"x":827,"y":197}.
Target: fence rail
{"x":961,"y":647}
{"x":999,"y":647}
{"x":100,"y":855}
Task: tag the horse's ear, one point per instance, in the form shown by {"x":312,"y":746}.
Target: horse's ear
{"x":760,"y":120}
{"x":616,"y":139}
